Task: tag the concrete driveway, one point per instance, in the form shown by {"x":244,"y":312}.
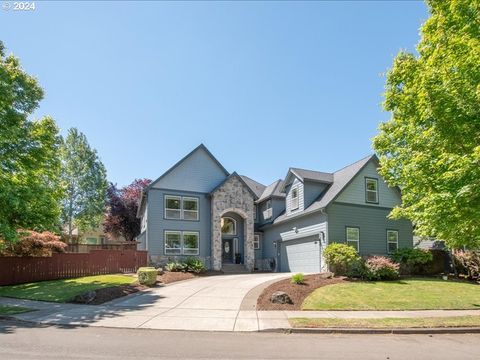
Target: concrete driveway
{"x":214,"y":303}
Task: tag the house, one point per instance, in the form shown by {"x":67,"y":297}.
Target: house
{"x":197,"y":208}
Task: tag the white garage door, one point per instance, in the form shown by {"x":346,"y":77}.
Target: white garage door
{"x":301,"y":255}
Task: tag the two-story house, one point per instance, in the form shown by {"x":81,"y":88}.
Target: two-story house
{"x":197,"y":208}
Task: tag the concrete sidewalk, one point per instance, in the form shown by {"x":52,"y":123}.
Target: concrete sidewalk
{"x":217,"y":303}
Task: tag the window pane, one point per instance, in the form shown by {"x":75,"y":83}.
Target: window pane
{"x":392,"y":247}
{"x":173,"y":243}
{"x":392,"y":236}
{"x":190,"y":204}
{"x":190,"y":215}
{"x":172,"y":203}
{"x":172,"y":214}
{"x":190,"y":243}
{"x":354,"y":244}
{"x":371,"y":196}
{"x":371,"y":185}
{"x":256,"y":242}
{"x":353,"y":234}
{"x":294,"y":193}
{"x":228,"y":226}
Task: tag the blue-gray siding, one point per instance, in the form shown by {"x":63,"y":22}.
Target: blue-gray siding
{"x":157,"y":224}
{"x":373,"y":224}
{"x":198,"y":173}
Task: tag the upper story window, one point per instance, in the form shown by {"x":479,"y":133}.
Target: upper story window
{"x":178,"y":207}
{"x":229,"y":226}
{"x":392,"y":240}
{"x":371,"y":190}
{"x":268,"y":213}
{"x":294,"y":204}
{"x":353,"y":237}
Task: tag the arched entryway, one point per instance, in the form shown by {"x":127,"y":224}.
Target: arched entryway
{"x":232,"y":200}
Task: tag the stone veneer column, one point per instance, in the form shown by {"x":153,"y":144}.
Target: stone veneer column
{"x":232,"y":196}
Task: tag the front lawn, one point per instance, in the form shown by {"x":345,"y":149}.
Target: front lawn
{"x":388,"y":323}
{"x":12,"y":310}
{"x":63,"y":290}
{"x":410,"y":294}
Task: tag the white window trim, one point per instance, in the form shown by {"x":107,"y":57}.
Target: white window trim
{"x":371,"y":191}
{"x":391,"y":242}
{"x":182,"y":244}
{"x":349,"y":241}
{"x":256,"y":242}
{"x":182,"y":211}
{"x":197,"y":212}
{"x":296,"y":206}
{"x":268,"y":213}
{"x":172,"y":197}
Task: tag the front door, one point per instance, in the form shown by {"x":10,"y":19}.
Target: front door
{"x":227,"y":250}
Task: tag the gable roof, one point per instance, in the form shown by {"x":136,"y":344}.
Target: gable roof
{"x":234,"y":174}
{"x":199,"y":147}
{"x":272,"y":190}
{"x":307,"y":175}
{"x":256,"y":187}
{"x":341,"y":179}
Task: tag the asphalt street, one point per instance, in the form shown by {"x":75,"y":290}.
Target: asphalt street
{"x":20,"y":340}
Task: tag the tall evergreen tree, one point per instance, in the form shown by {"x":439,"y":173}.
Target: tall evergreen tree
{"x":84,"y":184}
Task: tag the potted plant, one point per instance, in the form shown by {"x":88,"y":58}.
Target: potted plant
{"x":238,"y":258}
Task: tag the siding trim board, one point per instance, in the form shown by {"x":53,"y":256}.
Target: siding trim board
{"x":363,"y":206}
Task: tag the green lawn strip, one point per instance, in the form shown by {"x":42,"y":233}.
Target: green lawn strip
{"x":409,"y":294}
{"x":388,"y":323}
{"x":63,"y":290}
{"x":12,"y":310}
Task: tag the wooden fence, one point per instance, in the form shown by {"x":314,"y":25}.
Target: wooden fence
{"x":18,"y":270}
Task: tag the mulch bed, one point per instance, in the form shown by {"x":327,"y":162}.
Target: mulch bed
{"x":111,"y":293}
{"x":297,"y":293}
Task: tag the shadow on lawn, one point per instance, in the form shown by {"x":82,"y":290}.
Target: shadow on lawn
{"x":71,"y":316}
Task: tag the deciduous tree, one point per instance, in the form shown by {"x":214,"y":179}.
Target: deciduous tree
{"x":430,"y":148}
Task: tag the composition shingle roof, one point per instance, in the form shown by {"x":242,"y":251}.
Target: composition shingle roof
{"x":274,"y":189}
{"x":255,"y":186}
{"x":312,"y":175}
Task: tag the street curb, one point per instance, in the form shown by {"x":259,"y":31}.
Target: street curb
{"x":451,"y":330}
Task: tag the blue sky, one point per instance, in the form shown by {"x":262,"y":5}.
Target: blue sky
{"x":264,"y":85}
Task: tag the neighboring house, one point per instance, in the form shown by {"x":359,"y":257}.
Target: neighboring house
{"x":95,"y":236}
{"x":197,"y":208}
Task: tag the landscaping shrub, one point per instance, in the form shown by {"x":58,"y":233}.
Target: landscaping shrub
{"x":380,"y":268}
{"x":147,"y":276}
{"x":32,"y":243}
{"x":412,"y":261}
{"x":190,"y":264}
{"x":340,"y":258}
{"x":467,"y":262}
{"x":298,"y":279}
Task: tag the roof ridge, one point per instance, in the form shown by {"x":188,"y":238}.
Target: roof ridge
{"x":355,"y":162}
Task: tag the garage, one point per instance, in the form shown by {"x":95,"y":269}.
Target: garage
{"x":300,"y":255}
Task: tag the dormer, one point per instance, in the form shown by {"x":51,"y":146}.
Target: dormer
{"x":302,"y":187}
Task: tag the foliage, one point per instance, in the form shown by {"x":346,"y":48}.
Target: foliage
{"x":63,"y":290}
{"x":340,"y":257}
{"x":380,"y":268}
{"x":190,"y":264}
{"x":122,"y":206}
{"x":33,"y":243}
{"x":430,"y":148}
{"x":12,"y":310}
{"x":298,"y":279}
{"x":84,"y":182}
{"x":147,"y":276}
{"x":467,"y":263}
{"x":404,"y":294}
{"x":29,"y":166}
{"x":412,"y":260}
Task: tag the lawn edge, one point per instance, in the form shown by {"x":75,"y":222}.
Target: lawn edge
{"x":405,"y":331}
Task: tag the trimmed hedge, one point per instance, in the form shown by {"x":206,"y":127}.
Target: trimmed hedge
{"x":147,"y":276}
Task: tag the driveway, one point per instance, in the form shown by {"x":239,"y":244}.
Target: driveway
{"x":214,"y":303}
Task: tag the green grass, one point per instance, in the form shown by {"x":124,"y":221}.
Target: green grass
{"x":63,"y":290}
{"x":12,"y":310}
{"x":388,"y":323}
{"x":411,"y":294}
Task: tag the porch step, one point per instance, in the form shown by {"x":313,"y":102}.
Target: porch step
{"x":234,"y":269}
